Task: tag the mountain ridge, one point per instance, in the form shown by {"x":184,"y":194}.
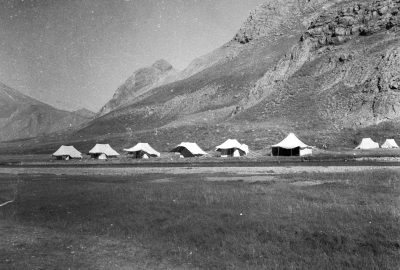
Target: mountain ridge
{"x":22,"y":116}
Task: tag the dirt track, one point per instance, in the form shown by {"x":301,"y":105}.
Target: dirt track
{"x":190,"y":170}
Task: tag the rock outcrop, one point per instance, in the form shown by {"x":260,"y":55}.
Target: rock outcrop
{"x":344,"y":22}
{"x":276,"y":18}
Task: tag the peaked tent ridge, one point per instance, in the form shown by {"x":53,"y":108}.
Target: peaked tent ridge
{"x":102,"y":151}
{"x":144,"y":148}
{"x":290,"y":142}
{"x":67,"y":151}
{"x":232,"y":147}
{"x":291,"y":146}
{"x":367,"y":143}
{"x":189,"y":149}
{"x":389,"y":143}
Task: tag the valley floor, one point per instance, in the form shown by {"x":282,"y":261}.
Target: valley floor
{"x":283,"y":217}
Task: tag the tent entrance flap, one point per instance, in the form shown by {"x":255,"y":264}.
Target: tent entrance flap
{"x":279,"y":151}
{"x":232,"y":152}
{"x":227,"y":152}
{"x":140,"y":155}
{"x":99,"y":156}
{"x":186,"y":153}
{"x":62,"y":157}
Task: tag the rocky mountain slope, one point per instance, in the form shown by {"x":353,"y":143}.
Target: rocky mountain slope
{"x":218,"y":87}
{"x":22,"y":116}
{"x":222,"y":84}
{"x":85,"y":113}
{"x":142,"y":80}
{"x":343,"y":73}
{"x":326,"y":70}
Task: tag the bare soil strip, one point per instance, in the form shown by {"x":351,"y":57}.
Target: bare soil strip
{"x":192,"y":170}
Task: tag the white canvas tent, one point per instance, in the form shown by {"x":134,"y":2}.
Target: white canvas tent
{"x":142,"y":150}
{"x":389,"y":143}
{"x":367,"y":143}
{"x":67,"y":152}
{"x":291,"y":146}
{"x":232,"y":148}
{"x":187,"y":149}
{"x":103,"y":151}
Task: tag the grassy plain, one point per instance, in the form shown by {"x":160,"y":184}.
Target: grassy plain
{"x":208,"y":220}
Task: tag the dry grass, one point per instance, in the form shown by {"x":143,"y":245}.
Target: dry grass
{"x":346,"y":220}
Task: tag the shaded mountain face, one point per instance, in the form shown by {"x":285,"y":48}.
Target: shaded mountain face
{"x":23,"y":117}
{"x":326,"y":70}
{"x":139,"y":83}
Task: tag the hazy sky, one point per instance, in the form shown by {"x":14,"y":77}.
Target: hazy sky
{"x":75,"y":53}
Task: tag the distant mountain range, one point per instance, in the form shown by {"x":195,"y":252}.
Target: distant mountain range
{"x":23,"y":117}
{"x":327,"y":70}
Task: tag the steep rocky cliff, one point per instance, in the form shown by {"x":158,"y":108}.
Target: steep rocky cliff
{"x":343,"y":22}
{"x":276,"y":18}
{"x":343,"y":73}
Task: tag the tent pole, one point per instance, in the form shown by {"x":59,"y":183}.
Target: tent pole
{"x":278,"y":154}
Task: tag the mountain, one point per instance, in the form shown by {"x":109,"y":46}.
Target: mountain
{"x":326,"y":70}
{"x":22,"y":116}
{"x":85,"y":113}
{"x":139,"y":83}
{"x":215,"y":89}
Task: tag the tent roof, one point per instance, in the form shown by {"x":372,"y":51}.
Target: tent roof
{"x":232,"y":143}
{"x":367,"y":143}
{"x":145,"y":147}
{"x":291,"y":142}
{"x":65,"y":150}
{"x":103,"y":149}
{"x":191,"y":147}
{"x":390,"y":143}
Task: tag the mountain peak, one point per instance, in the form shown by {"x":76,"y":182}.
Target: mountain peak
{"x":139,"y":83}
{"x":85,"y":113}
{"x":162,"y":65}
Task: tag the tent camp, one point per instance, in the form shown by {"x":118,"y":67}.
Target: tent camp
{"x":67,"y":152}
{"x":232,"y":148}
{"x":102,"y":151}
{"x":291,"y":146}
{"x":389,"y":143}
{"x":367,"y":143}
{"x":187,"y":149}
{"x":142,"y":150}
